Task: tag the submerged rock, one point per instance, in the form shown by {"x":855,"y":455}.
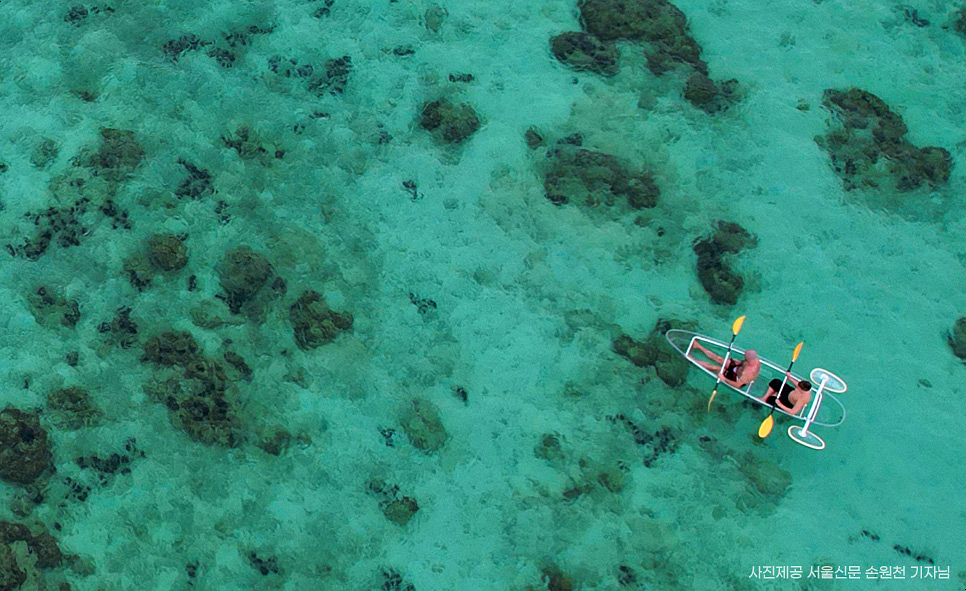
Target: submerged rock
{"x":582,"y":51}
{"x":596,"y":178}
{"x":957,"y":338}
{"x":657,"y":23}
{"x":715,"y":274}
{"x":73,"y":407}
{"x":51,"y":310}
{"x":194,"y":389}
{"x":241,"y":275}
{"x":869,"y":145}
{"x":400,"y":511}
{"x":447,"y":122}
{"x":765,"y":476}
{"x":422,"y":425}
{"x":655,"y":351}
{"x":167,"y":252}
{"x":118,"y":156}
{"x":25,"y":450}
{"x":703,"y":93}
{"x":314,"y":323}
{"x":959,"y":22}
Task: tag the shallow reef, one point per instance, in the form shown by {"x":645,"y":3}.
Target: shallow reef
{"x":717,"y":277}
{"x":660,"y":28}
{"x":449,"y":123}
{"x":868,"y":148}
{"x":956,"y":338}
{"x":594,"y":178}
{"x":654,"y":352}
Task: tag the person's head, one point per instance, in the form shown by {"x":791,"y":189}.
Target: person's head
{"x":751,"y":355}
{"x":805,"y":385}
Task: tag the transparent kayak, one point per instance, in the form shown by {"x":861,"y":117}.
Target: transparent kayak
{"x":831,"y":413}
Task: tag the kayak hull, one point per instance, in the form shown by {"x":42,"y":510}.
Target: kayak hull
{"x":830,"y":414}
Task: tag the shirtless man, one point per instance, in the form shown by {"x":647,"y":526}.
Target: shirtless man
{"x":795,"y":395}
{"x":738,"y":374}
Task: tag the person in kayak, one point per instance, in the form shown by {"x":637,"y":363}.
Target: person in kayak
{"x":795,"y":395}
{"x":738,"y":373}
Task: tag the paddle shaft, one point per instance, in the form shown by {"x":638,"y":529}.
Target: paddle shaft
{"x":724,"y":362}
{"x":765,"y":429}
{"x":735,"y":329}
{"x":798,"y":350}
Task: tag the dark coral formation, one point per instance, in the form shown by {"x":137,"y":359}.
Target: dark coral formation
{"x":198,"y":183}
{"x":44,"y":153}
{"x":584,"y":52}
{"x":229,"y":47}
{"x":959,"y":21}
{"x":657,"y":23}
{"x":121,"y":330}
{"x":423,"y":305}
{"x":397,"y":509}
{"x":172,"y":349}
{"x":96,"y":175}
{"x":767,"y":477}
{"x":555,"y":579}
{"x":51,"y":310}
{"x":265,"y":566}
{"x":247,"y":144}
{"x":119,"y":217}
{"x":164,"y":253}
{"x":422,"y":424}
{"x":702,"y":92}
{"x":64,"y":225}
{"x":332,"y":78}
{"x":870,"y":145}
{"x":654,"y":351}
{"x":656,"y":443}
{"x":76,"y":14}
{"x":25,"y":451}
{"x":242,"y":274}
{"x":393,"y":581}
{"x":225,"y":50}
{"x":43,"y":551}
{"x":167,"y":252}
{"x":72,"y":407}
{"x":11,"y":575}
{"x":194,"y":389}
{"x":660,"y":27}
{"x":957,"y":338}
{"x":118,"y":156}
{"x":447,"y":122}
{"x":715,"y":274}
{"x":275,"y":442}
{"x":314,"y":323}
{"x":533,"y":138}
{"x":595,"y":178}
{"x":549,"y":448}
{"x":917,"y":556}
{"x":174,"y":49}
{"x":105,"y":468}
{"x":400,"y":511}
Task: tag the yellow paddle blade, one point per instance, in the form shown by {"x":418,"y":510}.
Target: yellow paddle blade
{"x":710,"y":400}
{"x":798,"y":350}
{"x":766,"y":427}
{"x":736,"y":327}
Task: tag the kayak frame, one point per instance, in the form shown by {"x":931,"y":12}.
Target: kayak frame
{"x":746,"y":391}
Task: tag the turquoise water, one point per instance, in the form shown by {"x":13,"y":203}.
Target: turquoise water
{"x":192,"y":415}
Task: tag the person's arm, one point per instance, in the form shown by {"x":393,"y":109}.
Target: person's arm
{"x":799,"y":406}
